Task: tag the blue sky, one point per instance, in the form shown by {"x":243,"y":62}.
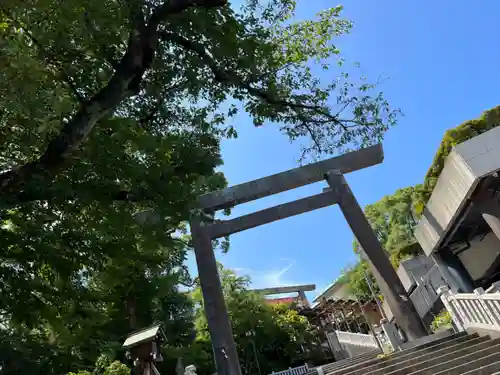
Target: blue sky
{"x":443,"y":64}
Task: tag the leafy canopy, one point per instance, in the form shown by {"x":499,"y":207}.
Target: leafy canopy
{"x":163,"y":68}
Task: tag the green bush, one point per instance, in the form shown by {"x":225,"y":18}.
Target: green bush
{"x":441,"y":320}
{"x":104,"y":366}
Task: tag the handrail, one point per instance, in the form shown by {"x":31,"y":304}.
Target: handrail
{"x":494,"y":288}
{"x":472,"y":310}
{"x":300,"y":370}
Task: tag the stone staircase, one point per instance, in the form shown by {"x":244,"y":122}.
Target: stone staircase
{"x":458,"y":354}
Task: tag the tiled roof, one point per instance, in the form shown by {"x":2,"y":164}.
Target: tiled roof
{"x":287,"y":300}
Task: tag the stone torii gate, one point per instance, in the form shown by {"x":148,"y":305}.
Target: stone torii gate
{"x":299,"y":289}
{"x":204,"y":229}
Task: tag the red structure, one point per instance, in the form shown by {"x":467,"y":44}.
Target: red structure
{"x":284,"y":300}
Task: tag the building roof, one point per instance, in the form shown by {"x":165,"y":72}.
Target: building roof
{"x":465,"y":167}
{"x":285,"y":300}
{"x":331,"y":290}
{"x":144,"y":335}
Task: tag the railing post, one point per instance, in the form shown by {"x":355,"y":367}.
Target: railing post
{"x":445,"y":295}
{"x":391,"y":333}
{"x":337,"y":349}
{"x":494,"y":287}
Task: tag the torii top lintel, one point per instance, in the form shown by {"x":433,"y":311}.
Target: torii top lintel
{"x":291,"y":179}
{"x":286,"y":289}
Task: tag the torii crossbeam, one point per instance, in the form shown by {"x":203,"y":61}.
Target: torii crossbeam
{"x":204,"y":230}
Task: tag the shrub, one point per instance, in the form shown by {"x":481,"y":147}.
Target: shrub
{"x":441,"y":320}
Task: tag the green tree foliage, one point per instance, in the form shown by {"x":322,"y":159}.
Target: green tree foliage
{"x":111,"y":115}
{"x":278,"y":334}
{"x":355,"y":277}
{"x":110,"y":70}
{"x":393,"y":219}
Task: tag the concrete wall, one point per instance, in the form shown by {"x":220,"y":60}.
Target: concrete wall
{"x":354,"y":350}
{"x":454,"y":186}
{"x":481,"y":254}
{"x":424,"y":297}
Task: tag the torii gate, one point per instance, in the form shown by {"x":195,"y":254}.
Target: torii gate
{"x":299,"y":289}
{"x":204,"y":229}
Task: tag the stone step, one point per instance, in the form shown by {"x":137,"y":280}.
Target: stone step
{"x":364,"y":364}
{"x":440,"y":356}
{"x":350,"y":361}
{"x":366,"y":360}
{"x":328,"y":368}
{"x":459,"y":357}
{"x":417,"y":357}
{"x":419,"y":353}
{"x":427,"y":339}
{"x":437,"y":340}
{"x":342,"y":363}
{"x":482,"y":366}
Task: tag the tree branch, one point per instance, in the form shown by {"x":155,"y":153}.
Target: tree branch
{"x":224,"y":76}
{"x":313,"y":136}
{"x":191,"y":283}
{"x":171,"y":7}
{"x":159,"y":102}
{"x":187,"y":244}
{"x":124,"y":83}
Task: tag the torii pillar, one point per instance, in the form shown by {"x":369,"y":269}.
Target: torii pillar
{"x":204,"y":229}
{"x":387,"y":279}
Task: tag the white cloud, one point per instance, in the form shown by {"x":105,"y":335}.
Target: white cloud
{"x":271,"y":277}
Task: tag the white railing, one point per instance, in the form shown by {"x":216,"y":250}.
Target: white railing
{"x":358,"y":339}
{"x":292,"y":371}
{"x":473,"y":310}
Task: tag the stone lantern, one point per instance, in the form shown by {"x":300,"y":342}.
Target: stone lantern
{"x":143,"y":347}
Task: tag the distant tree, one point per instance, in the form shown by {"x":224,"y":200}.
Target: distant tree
{"x":393,"y":219}
{"x":355,"y":278}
